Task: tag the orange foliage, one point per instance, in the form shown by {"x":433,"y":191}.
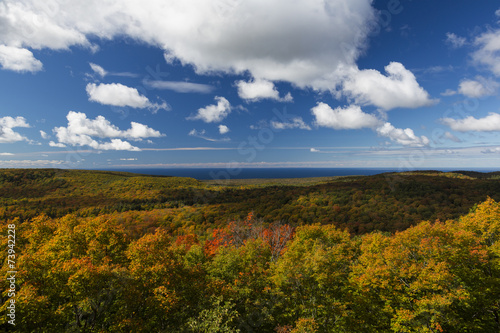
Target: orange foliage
{"x":186,"y":241}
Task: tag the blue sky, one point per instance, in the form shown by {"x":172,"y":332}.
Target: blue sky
{"x":250,"y":83}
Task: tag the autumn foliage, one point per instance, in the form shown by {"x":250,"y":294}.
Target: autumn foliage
{"x":237,"y":233}
{"x":144,"y":271}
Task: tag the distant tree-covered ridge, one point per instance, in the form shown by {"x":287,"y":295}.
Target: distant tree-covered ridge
{"x":386,"y":202}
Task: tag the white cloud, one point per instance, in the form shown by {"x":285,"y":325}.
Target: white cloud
{"x":290,"y":43}
{"x":260,"y":89}
{"x":489,"y":123}
{"x":81,"y":132}
{"x":351,"y":117}
{"x":6,"y":154}
{"x":300,"y":53}
{"x":201,"y":135}
{"x":398,"y":89}
{"x":455,"y":41}
{"x":449,"y":92}
{"x":477,"y":88}
{"x":194,"y":132}
{"x":44,"y":135}
{"x":7,"y":135}
{"x":288,"y":98}
{"x":98,"y":70}
{"x":116,"y":144}
{"x":488,"y":50}
{"x":295,"y":122}
{"x":139,"y":131}
{"x":180,"y":86}
{"x":57,"y":144}
{"x":103,"y":73}
{"x":213,"y":113}
{"x":32,"y":163}
{"x":19,"y":59}
{"x":491,"y":150}
{"x":117,"y":94}
{"x":314,"y":150}
{"x":223,"y":129}
{"x":405,"y":137}
{"x":44,"y":24}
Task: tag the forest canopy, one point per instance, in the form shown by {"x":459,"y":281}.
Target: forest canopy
{"x":118,"y":252}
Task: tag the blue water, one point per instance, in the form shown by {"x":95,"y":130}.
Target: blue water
{"x":222,"y":174}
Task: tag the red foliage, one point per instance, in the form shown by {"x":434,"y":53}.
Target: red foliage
{"x":236,"y":233}
{"x":186,"y":241}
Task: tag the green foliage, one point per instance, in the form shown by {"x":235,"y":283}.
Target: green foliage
{"x":220,"y":317}
{"x":312,"y":274}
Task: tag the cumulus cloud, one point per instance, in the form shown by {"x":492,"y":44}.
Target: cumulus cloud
{"x":117,"y":94}
{"x":7,"y":134}
{"x":405,"y":137}
{"x":398,"y":89}
{"x":455,"y":41}
{"x":260,"y":89}
{"x":82,"y":131}
{"x":295,"y":122}
{"x":19,"y":59}
{"x":43,"y":24}
{"x":57,"y":144}
{"x":314,"y":150}
{"x":180,"y":86}
{"x":488,"y":51}
{"x":213,"y":113}
{"x":489,"y":123}
{"x":292,"y":44}
{"x":223,"y":129}
{"x":216,"y":35}
{"x":477,"y":88}
{"x":351,"y":117}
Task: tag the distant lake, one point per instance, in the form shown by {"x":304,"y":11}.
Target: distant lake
{"x":249,"y":173}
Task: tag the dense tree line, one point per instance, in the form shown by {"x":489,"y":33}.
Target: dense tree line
{"x":387,"y":202}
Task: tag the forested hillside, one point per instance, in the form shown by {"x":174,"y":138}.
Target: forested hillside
{"x":387,"y":202}
{"x":118,"y":252}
